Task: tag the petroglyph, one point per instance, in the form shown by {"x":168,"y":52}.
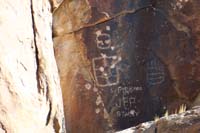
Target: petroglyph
{"x":105,"y":68}
{"x":155,"y":72}
{"x":88,"y":86}
{"x":105,"y":71}
{"x":103,"y":39}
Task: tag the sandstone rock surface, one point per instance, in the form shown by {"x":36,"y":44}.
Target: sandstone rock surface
{"x":30,"y":93}
{"x":123,"y":62}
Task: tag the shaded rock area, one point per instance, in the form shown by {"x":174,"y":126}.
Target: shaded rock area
{"x":187,"y":122}
{"x":30,"y":93}
{"x":122,"y":63}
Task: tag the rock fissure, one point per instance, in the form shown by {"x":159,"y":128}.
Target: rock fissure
{"x":41,"y":76}
{"x":104,"y":20}
{"x":49,"y":114}
{"x":36,"y":47}
{"x":3,"y":127}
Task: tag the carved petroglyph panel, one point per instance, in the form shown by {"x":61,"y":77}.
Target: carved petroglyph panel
{"x":118,"y":95}
{"x":123,"y":70}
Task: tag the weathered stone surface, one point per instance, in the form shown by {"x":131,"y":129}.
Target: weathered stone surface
{"x":123,"y":62}
{"x":187,"y":122}
{"x":55,"y":4}
{"x":30,"y":93}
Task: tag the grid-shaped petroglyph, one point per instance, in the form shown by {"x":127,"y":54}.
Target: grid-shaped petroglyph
{"x":105,"y":70}
{"x":155,"y":72}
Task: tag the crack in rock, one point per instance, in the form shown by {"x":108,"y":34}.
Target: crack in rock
{"x":104,"y":20}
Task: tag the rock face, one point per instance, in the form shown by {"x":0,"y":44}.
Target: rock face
{"x":30,"y":93}
{"x":187,"y":122}
{"x":124,"y":62}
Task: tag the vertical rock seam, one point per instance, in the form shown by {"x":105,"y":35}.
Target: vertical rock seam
{"x":3,"y":127}
{"x":35,"y":43}
{"x":40,"y":74}
{"x":38,"y":62}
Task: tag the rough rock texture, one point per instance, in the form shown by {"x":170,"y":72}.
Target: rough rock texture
{"x":123,"y":62}
{"x":55,"y":4}
{"x":30,"y":93}
{"x":187,"y":122}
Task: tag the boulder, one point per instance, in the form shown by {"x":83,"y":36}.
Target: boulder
{"x":30,"y":93}
{"x":122,"y":63}
{"x":186,"y":122}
